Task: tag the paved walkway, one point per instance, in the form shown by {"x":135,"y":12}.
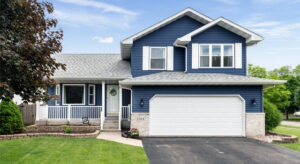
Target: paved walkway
{"x":116,"y":137}
{"x":290,"y":123}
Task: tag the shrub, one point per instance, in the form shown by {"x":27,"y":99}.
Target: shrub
{"x":273,"y":115}
{"x":68,"y":130}
{"x":10,"y":117}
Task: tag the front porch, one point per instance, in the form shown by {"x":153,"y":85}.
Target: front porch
{"x":99,"y":102}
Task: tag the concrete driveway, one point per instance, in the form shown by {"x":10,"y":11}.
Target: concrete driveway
{"x":216,"y":151}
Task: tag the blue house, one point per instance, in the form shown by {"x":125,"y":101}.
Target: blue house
{"x":184,"y":76}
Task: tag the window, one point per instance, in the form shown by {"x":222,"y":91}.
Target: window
{"x":91,"y":94}
{"x":57,"y":92}
{"x":228,"y":56}
{"x":204,"y":56}
{"x":216,"y":55}
{"x":74,"y":94}
{"x":158,"y":58}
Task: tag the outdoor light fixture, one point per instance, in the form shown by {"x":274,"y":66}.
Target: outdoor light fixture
{"x":253,"y":101}
{"x":141,"y":102}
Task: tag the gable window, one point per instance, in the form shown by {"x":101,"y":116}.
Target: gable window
{"x":91,"y":94}
{"x":204,"y":56}
{"x":228,"y":56}
{"x":157,"y":58}
{"x":216,"y":55}
{"x":73,"y":94}
{"x":57,"y":92}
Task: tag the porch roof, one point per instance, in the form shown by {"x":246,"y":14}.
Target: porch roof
{"x":181,"y":78}
{"x":92,"y":67}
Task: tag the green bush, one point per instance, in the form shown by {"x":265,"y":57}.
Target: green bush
{"x":10,"y":117}
{"x":68,"y":130}
{"x":273,"y":115}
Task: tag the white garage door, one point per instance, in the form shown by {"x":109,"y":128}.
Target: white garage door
{"x":177,"y":115}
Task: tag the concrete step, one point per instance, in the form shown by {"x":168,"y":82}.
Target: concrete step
{"x":111,"y":121}
{"x":112,"y":118}
{"x":110,"y":130}
{"x":110,"y":125}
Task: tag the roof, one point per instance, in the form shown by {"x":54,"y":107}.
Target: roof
{"x":251,"y":37}
{"x":92,"y":67}
{"x":181,"y":78}
{"x":126,"y":44}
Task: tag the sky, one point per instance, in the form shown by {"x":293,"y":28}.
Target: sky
{"x":98,"y":26}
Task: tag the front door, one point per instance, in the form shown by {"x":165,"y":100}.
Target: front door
{"x":112,"y":93}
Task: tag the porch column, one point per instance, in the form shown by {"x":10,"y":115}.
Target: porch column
{"x":103,"y":105}
{"x":120,"y":106}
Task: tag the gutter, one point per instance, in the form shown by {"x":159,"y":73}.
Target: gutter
{"x":176,"y":45}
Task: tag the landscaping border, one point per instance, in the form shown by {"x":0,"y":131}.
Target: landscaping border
{"x":29,"y":135}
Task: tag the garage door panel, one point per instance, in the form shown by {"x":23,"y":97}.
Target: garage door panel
{"x":196,"y":115}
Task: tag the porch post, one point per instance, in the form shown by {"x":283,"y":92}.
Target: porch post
{"x":103,"y":105}
{"x":69,"y":113}
{"x":120,"y":106}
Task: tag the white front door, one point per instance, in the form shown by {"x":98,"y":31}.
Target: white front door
{"x":192,"y":115}
{"x":112,"y":93}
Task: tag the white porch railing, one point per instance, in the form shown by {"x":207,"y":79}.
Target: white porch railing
{"x":126,"y":112}
{"x":73,"y":112}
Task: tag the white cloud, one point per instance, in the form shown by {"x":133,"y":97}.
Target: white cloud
{"x":103,"y":40}
{"x":264,"y":24}
{"x":106,"y":7}
{"x":79,"y":19}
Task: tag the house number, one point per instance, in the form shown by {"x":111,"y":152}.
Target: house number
{"x":140,"y":118}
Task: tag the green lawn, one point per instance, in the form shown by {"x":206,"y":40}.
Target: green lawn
{"x":293,"y":119}
{"x":289,"y":130}
{"x":69,"y":150}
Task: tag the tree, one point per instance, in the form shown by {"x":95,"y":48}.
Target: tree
{"x":256,"y":71}
{"x":280,"y":97}
{"x":27,"y":40}
{"x":292,"y":84}
{"x":297,"y":97}
{"x":297,"y":70}
{"x":283,"y":72}
{"x":273,"y":116}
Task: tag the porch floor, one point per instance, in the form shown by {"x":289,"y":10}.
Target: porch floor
{"x":116,"y":137}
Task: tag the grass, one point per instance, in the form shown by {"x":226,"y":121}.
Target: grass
{"x":297,"y":119}
{"x":289,"y":130}
{"x":68,"y":150}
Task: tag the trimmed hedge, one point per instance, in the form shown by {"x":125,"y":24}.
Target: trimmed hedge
{"x":10,"y":117}
{"x":273,"y":115}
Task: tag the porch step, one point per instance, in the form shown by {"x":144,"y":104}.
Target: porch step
{"x":111,"y":121}
{"x":110,"y":125}
{"x":112,"y":118}
{"x":110,"y":130}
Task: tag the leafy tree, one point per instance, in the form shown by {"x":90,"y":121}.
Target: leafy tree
{"x":273,"y":115}
{"x":27,"y":40}
{"x":283,"y":72}
{"x":10,"y":117}
{"x":279,"y":96}
{"x":257,"y":71}
{"x":292,"y":84}
{"x":297,"y":70}
{"x":297,"y":97}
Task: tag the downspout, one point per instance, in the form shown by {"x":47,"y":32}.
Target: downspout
{"x":185,"y":54}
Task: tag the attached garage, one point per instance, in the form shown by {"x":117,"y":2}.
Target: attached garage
{"x":197,"y":115}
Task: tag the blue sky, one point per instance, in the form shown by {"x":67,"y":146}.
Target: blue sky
{"x":98,"y":26}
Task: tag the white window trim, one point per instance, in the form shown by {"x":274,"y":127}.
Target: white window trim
{"x":94,"y":94}
{"x":63,"y":93}
{"x":164,"y":56}
{"x":57,"y":93}
{"x":222,"y":55}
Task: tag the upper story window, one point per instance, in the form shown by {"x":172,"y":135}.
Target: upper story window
{"x":73,"y":94}
{"x":91,"y":94}
{"x":157,"y":58}
{"x":216,"y":55}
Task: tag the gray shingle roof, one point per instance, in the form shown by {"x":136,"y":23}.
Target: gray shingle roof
{"x":181,"y":78}
{"x":92,"y":66}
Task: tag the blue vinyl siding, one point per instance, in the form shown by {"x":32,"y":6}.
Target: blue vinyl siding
{"x":164,"y":36}
{"x":217,"y":34}
{"x":147,"y":92}
{"x":51,"y":91}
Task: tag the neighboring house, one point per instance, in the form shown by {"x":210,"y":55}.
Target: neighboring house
{"x":184,"y":76}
